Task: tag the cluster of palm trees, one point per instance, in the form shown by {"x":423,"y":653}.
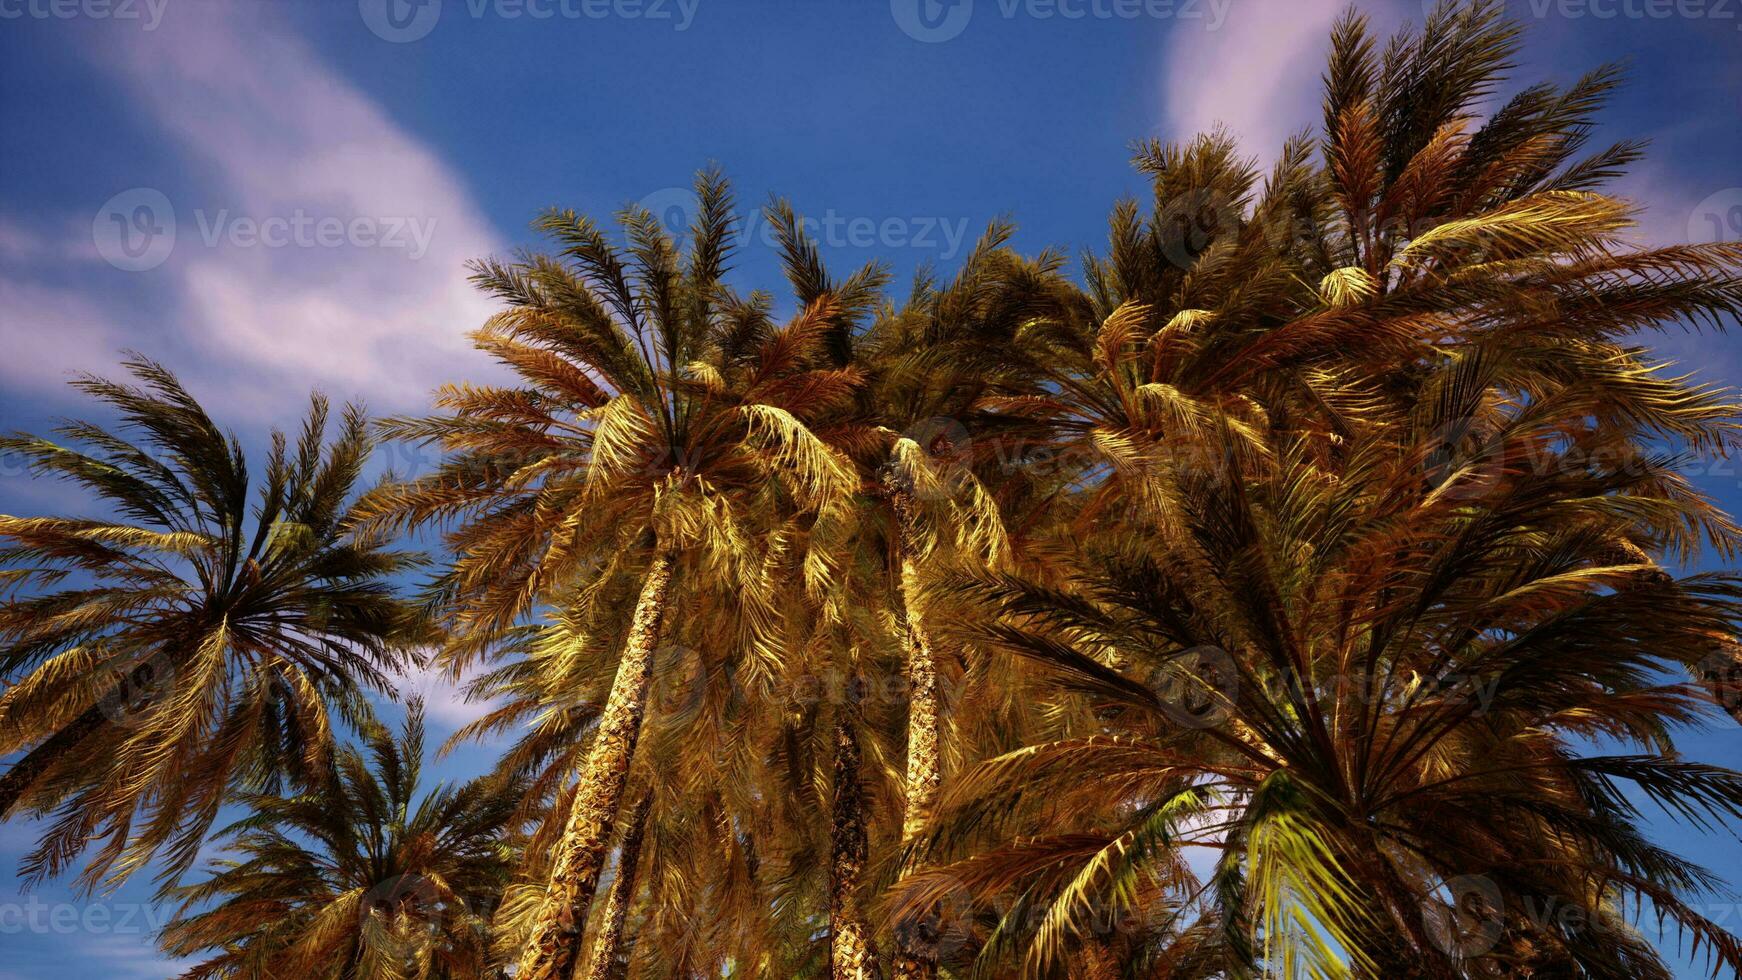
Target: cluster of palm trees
{"x":1291,"y":593}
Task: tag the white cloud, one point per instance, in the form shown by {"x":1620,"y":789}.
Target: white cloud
{"x":19,"y":242}
{"x":132,"y":955}
{"x":50,"y":332}
{"x":444,"y":698}
{"x":373,"y":303}
{"x":1258,"y":74}
{"x":1255,"y":75}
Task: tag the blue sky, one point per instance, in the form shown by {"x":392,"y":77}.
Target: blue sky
{"x":271,"y":196}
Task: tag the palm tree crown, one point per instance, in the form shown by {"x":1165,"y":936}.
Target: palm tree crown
{"x":360,"y":877}
{"x":191,"y":644}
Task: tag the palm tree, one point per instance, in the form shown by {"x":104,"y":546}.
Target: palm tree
{"x":1327,"y":298}
{"x":688,"y":894}
{"x":934,"y":431}
{"x":851,"y":954}
{"x":184,"y":647}
{"x":658,"y":424}
{"x":1356,"y":692}
{"x":1498,"y":245}
{"x":1472,"y":306}
{"x":362,"y":876}
{"x":609,"y":943}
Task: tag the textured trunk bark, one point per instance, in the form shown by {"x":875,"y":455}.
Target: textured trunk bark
{"x":913,"y":960}
{"x":610,"y":938}
{"x":26,"y":771}
{"x":850,"y":945}
{"x":580,"y":854}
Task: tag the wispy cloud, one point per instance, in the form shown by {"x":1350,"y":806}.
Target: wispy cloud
{"x":50,"y":331}
{"x":327,"y":247}
{"x":444,"y":698}
{"x":130,"y":957}
{"x":1257,"y":75}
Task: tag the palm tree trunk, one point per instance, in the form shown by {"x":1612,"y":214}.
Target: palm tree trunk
{"x":610,"y":938}
{"x":580,"y":854}
{"x":850,"y":946}
{"x":924,"y":713}
{"x":924,"y":772}
{"x":26,"y":771}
